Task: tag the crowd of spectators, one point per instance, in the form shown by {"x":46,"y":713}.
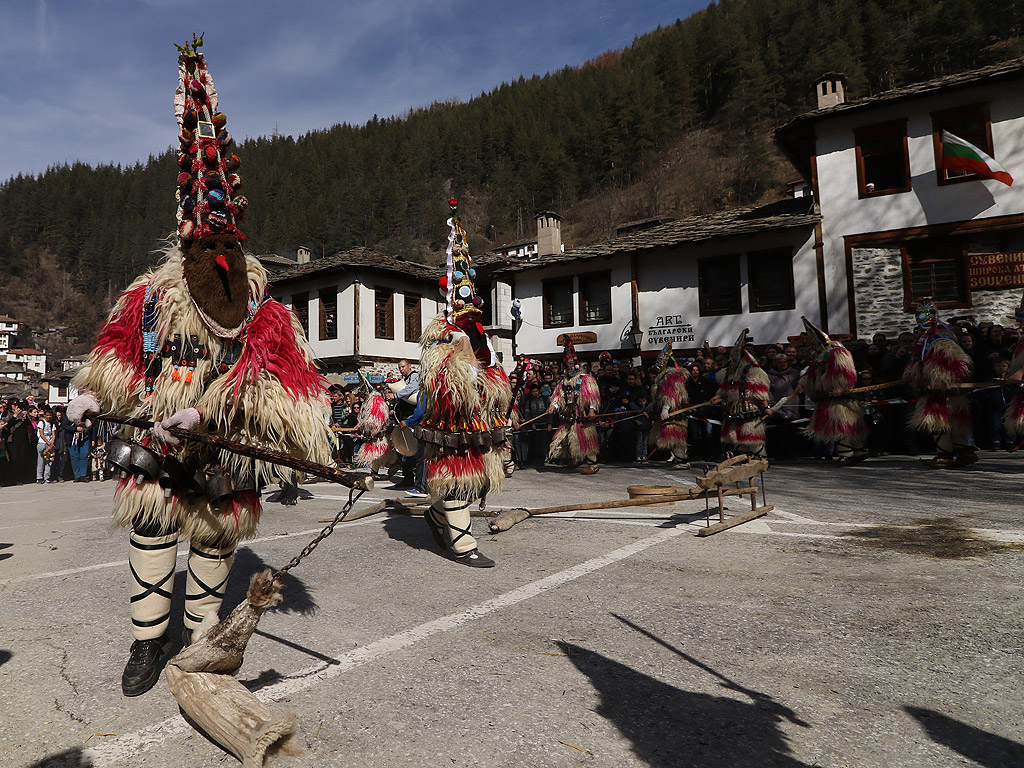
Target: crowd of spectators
{"x":38,"y":443}
{"x":626,"y":389}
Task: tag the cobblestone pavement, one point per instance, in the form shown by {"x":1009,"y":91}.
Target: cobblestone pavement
{"x":871,"y":619}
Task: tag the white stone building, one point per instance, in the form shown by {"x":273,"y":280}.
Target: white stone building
{"x":8,"y":332}
{"x":894,"y":226}
{"x":693,"y":280}
{"x":33,"y":359}
{"x":360,"y":308}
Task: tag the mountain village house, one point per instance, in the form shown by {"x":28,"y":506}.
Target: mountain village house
{"x":8,"y":332}
{"x":895,"y":227}
{"x":33,"y":359}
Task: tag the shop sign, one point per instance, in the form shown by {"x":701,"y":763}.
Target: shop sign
{"x":988,"y":271}
{"x":672,"y":328}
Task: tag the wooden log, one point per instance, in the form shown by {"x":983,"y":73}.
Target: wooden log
{"x":643,"y":491}
{"x":505,"y":519}
{"x":371,"y":510}
{"x":732,"y":522}
{"x":231,"y":716}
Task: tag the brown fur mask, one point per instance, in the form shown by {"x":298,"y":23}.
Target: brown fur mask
{"x":215,"y":274}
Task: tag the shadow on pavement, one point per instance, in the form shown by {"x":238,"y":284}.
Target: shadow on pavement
{"x":986,"y":749}
{"x":71,"y":758}
{"x":5,"y":656}
{"x":295,"y":596}
{"x":412,"y":530}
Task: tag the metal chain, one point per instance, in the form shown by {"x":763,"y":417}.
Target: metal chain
{"x":353,"y":497}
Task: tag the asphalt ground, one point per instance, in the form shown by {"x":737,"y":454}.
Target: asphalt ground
{"x":872,"y":619}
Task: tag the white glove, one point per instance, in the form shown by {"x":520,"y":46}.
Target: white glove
{"x":186,"y":418}
{"x":79,"y":407}
{"x":664,"y":412}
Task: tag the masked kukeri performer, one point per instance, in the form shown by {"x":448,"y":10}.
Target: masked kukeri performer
{"x":936,"y":369}
{"x":668,"y":393}
{"x":465,"y":395}
{"x":196,"y":343}
{"x":373,"y":422}
{"x":1013,"y":418}
{"x":744,"y":391}
{"x":576,"y":399}
{"x":838,"y":417}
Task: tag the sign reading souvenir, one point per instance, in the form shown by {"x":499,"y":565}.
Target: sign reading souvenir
{"x":986,"y":271}
{"x":580,"y":337}
{"x":669,"y":328}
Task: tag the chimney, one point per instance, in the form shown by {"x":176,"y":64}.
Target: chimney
{"x":831,"y":90}
{"x":302,"y":257}
{"x":549,"y":233}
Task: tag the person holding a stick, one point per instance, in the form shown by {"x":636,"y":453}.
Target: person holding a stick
{"x":576,"y":399}
{"x":743,"y":390}
{"x":197,"y":344}
{"x":937,"y":368}
{"x":669,"y":393}
{"x":465,"y":396}
{"x":838,"y":415}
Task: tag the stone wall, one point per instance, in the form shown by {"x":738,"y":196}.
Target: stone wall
{"x":878,"y":291}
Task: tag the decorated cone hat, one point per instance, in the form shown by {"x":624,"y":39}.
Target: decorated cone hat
{"x":569,"y":354}
{"x":458,"y":286}
{"x":208,"y":182}
{"x":820,"y":337}
{"x":665,"y":357}
{"x":738,"y":355}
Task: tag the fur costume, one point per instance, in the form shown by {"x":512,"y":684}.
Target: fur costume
{"x":668,"y":393}
{"x":270,"y":395}
{"x":575,"y":441}
{"x":196,"y":342}
{"x":466,"y":396}
{"x":744,"y":390}
{"x":838,"y":418}
{"x":1013,"y":419}
{"x":376,"y":450}
{"x":937,"y":366}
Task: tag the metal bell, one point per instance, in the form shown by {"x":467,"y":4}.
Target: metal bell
{"x":119,"y":453}
{"x":218,"y":488}
{"x":144,"y":463}
{"x":174,"y":475}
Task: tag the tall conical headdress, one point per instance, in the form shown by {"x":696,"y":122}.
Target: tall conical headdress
{"x":925,"y":313}
{"x":738,"y":355}
{"x":665,"y":357}
{"x":569,"y":354}
{"x":819,"y":336}
{"x":457,"y":285}
{"x":208,"y":183}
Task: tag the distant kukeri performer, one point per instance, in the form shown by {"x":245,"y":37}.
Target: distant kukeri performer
{"x":373,"y":421}
{"x":1013,"y":419}
{"x":461,"y":416}
{"x":196,"y":343}
{"x":668,"y":394}
{"x":744,"y":391}
{"x":838,"y":417}
{"x":937,"y":368}
{"x":576,"y":399}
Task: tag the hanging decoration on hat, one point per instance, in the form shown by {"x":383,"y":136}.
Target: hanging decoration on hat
{"x":208,"y":185}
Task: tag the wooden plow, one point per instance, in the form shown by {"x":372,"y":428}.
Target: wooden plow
{"x":734,"y":477}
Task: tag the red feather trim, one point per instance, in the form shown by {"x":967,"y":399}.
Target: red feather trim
{"x":270,"y":345}
{"x":122,"y":334}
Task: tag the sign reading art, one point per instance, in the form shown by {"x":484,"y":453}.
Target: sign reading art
{"x":580,"y":337}
{"x":669,"y":327}
{"x":987,"y":271}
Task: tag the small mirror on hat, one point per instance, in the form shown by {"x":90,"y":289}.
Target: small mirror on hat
{"x":206,"y":130}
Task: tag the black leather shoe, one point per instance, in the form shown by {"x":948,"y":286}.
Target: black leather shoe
{"x":143,"y":669}
{"x":474,"y":559}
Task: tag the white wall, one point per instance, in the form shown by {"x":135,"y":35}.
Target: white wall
{"x":668,"y":299}
{"x":843,"y":213}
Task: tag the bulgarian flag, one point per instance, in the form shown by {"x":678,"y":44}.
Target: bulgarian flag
{"x":960,"y":155}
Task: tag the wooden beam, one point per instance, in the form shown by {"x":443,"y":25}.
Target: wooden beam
{"x":734,"y":521}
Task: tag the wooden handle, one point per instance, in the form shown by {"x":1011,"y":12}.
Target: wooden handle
{"x":349,"y":479}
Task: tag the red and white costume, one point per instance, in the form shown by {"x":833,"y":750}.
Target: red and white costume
{"x":745,"y":391}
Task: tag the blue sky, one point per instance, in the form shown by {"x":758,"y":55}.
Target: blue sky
{"x":93,"y":80}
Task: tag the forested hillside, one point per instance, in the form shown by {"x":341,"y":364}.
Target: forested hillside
{"x":678,"y":123}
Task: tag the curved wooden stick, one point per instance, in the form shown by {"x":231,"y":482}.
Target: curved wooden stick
{"x":349,"y":479}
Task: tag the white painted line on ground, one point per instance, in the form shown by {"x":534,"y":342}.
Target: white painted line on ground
{"x":181,"y":553}
{"x":128,"y":746}
{"x":50,"y":522}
